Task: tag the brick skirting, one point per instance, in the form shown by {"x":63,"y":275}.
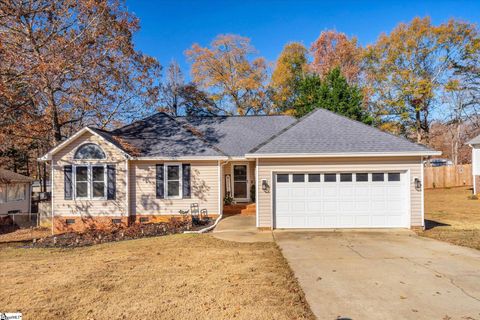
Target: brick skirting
{"x":80,"y":224}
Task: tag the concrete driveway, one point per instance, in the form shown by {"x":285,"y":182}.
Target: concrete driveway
{"x":383,"y":275}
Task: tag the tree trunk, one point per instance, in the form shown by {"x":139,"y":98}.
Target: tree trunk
{"x":418,"y":126}
{"x":44,"y":178}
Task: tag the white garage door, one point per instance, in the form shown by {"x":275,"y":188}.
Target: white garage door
{"x":341,"y":200}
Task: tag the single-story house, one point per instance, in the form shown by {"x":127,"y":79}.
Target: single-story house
{"x":321,"y":171}
{"x":15,"y":193}
{"x":475,"y":144}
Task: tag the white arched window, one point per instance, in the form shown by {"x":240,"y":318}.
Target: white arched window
{"x":89,"y":151}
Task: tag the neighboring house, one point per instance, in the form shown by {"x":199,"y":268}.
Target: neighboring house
{"x":322,"y":171}
{"x":437,"y":162}
{"x":15,"y":192}
{"x":475,"y":144}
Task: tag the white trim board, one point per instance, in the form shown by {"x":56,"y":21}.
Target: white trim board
{"x":342,"y":155}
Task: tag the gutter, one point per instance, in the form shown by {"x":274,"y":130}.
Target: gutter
{"x":342,"y":155}
{"x":204,"y":230}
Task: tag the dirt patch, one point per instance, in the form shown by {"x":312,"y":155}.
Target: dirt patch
{"x":451,"y":216}
{"x":171,"y":277}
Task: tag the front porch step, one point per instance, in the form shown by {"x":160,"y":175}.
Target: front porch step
{"x":247,"y":209}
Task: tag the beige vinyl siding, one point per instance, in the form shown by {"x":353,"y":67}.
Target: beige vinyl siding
{"x":204,"y":184}
{"x":22,"y":205}
{"x":62,"y":207}
{"x":267,"y":166}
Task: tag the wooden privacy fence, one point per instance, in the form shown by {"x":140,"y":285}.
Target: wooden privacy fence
{"x":448,"y":176}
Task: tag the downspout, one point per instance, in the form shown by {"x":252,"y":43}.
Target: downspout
{"x":220,"y":216}
{"x":52,"y":194}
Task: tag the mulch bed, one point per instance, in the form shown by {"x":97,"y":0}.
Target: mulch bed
{"x":136,"y":231}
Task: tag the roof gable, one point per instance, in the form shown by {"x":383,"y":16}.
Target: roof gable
{"x":325,"y":132}
{"x":475,"y":140}
{"x":97,"y":132}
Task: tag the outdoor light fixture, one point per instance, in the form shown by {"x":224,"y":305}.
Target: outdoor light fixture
{"x":418,"y":184}
{"x":265,"y":186}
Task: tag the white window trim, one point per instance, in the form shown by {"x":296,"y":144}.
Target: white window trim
{"x":180,"y":180}
{"x":89,"y":181}
{"x":89,"y":143}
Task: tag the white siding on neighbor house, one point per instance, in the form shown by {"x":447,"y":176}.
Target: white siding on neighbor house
{"x":267,"y":166}
{"x":476,"y":160}
{"x":204,"y":188}
{"x":62,"y":207}
{"x":22,"y":205}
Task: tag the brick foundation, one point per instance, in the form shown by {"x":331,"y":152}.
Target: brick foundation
{"x":417,"y":228}
{"x":264,"y":229}
{"x":81,"y":224}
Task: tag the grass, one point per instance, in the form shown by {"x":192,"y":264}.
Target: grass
{"x":450,"y":216}
{"x":171,"y":277}
{"x":25,"y":234}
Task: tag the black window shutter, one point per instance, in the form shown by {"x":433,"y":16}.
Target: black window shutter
{"x":186,"y":188}
{"x":111,"y":182}
{"x":67,"y":183}
{"x":159,"y":181}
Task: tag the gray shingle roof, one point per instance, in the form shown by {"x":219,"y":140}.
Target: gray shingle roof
{"x":323,"y":131}
{"x":162,"y":136}
{"x":7,"y":176}
{"x":475,"y":140}
{"x":237,"y":135}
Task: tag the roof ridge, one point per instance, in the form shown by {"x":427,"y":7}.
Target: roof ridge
{"x":194,"y":135}
{"x":235,"y":116}
{"x":254,"y":149}
{"x":372,"y":127}
{"x":139,"y":120}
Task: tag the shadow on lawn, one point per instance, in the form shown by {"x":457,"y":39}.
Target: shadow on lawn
{"x":430,"y":224}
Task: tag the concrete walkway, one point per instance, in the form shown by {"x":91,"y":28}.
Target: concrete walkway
{"x":241,"y":228}
{"x":383,"y":275}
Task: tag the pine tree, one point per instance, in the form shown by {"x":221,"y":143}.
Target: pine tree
{"x":332,"y":93}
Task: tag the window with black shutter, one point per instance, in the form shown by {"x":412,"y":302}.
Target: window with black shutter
{"x":67,"y":185}
{"x":186,"y":184}
{"x":159,"y":181}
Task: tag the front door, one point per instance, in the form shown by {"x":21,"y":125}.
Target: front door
{"x":240,"y":182}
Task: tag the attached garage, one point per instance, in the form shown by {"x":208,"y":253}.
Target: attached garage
{"x":341,"y":200}
{"x":329,"y":171}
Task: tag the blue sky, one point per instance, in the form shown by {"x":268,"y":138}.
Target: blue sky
{"x":168,"y":28}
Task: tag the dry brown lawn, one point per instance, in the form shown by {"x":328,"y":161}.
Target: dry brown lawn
{"x":25,"y":234}
{"x":171,"y":277}
{"x":451,"y":216}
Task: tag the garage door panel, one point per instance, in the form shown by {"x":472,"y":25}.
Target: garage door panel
{"x":298,"y":192}
{"x":329,"y":191}
{"x":346,"y":206}
{"x":298,"y":222}
{"x":313,"y":192}
{"x":282,"y":193}
{"x":314,"y":206}
{"x":341,"y":204}
{"x":298,"y":206}
{"x":362,"y":220}
{"x":330,"y":206}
